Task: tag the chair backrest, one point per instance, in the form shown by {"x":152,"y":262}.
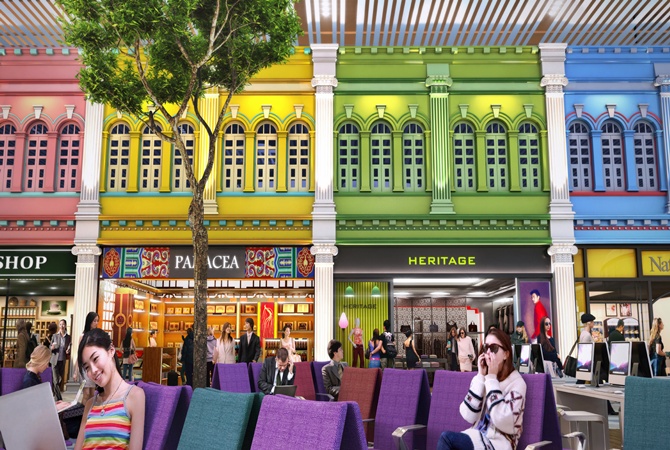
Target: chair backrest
{"x":304,"y":381}
{"x":404,"y":398}
{"x":179,"y":417}
{"x":231,"y":378}
{"x":647,"y":406}
{"x":321,"y":424}
{"x":11,"y":380}
{"x":254,"y":375}
{"x":317,"y":377}
{"x":160,"y":406}
{"x":449,"y":390}
{"x":362,"y":386}
{"x":540,"y":420}
{"x":216,"y":419}
{"x":253,"y":420}
{"x":353,"y":435}
{"x":47,"y":375}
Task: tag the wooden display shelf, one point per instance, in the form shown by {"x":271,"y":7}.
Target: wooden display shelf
{"x":154,"y":357}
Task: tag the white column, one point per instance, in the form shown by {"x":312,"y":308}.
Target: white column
{"x":323,"y":299}
{"x":663,"y":81}
{"x":566,"y":306}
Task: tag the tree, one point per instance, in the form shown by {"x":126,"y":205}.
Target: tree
{"x":169,"y":53}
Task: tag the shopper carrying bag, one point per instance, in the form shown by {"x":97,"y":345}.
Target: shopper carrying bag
{"x":570,"y":366}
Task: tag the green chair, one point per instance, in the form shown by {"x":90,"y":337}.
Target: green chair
{"x":219,"y":420}
{"x":647,"y":407}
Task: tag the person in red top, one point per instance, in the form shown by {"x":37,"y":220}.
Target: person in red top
{"x":540,"y":313}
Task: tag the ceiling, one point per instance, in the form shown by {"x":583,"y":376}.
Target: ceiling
{"x":404,"y":23}
{"x":29,"y":288}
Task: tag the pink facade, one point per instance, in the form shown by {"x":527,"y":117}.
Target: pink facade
{"x":41,"y":146}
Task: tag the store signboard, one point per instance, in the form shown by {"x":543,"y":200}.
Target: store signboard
{"x":656,"y":263}
{"x":442,"y":260}
{"x":37,"y":262}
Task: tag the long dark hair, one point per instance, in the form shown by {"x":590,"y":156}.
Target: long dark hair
{"x":129,"y":338}
{"x":506,"y":345}
{"x":95,"y":338}
{"x":90,"y":317}
{"x":544,"y":339}
{"x":224,"y":333}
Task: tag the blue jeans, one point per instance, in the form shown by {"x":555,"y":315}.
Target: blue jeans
{"x":450,"y":440}
{"x":127,"y":372}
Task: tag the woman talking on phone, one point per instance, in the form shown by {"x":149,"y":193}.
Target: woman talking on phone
{"x":495,"y":402}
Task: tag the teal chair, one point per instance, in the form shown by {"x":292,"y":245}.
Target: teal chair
{"x":219,"y":420}
{"x":647,"y":408}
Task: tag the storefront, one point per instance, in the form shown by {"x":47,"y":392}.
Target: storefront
{"x":38,"y":287}
{"x":431,"y":289}
{"x":623,"y":282}
{"x":151,"y":288}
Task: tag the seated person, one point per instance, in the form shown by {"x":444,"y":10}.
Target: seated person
{"x":276,"y":371}
{"x":39,"y":361}
{"x":494,"y":404}
{"x":332,"y":372}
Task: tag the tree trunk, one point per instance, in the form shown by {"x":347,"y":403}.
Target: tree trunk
{"x":196,"y":215}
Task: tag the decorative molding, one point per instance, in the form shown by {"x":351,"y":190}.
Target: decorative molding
{"x":611,"y":109}
{"x":643,"y":107}
{"x":119,"y":114}
{"x":464,"y":110}
{"x":5,"y":111}
{"x":554,"y":83}
{"x":412,"y":110}
{"x":439,"y":84}
{"x":496,"y":110}
{"x":86,"y":253}
{"x":324,"y":253}
{"x":38,"y":110}
{"x":380,"y":111}
{"x":298,"y":110}
{"x":328,"y":82}
{"x":528,"y":108}
{"x":233,"y":110}
{"x":266,"y":110}
{"x":69,"y":111}
{"x":579,"y":109}
{"x":348,"y":110}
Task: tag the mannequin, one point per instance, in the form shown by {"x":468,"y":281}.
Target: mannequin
{"x":357,"y":343}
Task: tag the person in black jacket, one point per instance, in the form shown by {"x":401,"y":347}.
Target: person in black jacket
{"x":276,"y":371}
{"x":617,"y":334}
{"x":250,"y":344}
{"x":187,"y":356}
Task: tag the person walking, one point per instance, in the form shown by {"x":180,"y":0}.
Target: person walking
{"x":187,"y":356}
{"x":211,"y":348}
{"x":63,"y":342}
{"x":389,"y":350}
{"x":411,"y":357}
{"x":129,"y":357}
{"x":466,"y":351}
{"x":250,"y":344}
{"x":224,"y":353}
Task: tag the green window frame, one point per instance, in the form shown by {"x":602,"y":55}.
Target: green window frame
{"x":579,"y":149}
{"x":180,"y":181}
{"x":465,"y":173}
{"x":529,"y":158}
{"x":381,"y":158}
{"x":496,"y":158}
{"x":646,"y":167}
{"x":266,"y":158}
{"x":413,"y":158}
{"x":233,"y":158}
{"x":119,"y":155}
{"x":298,"y":158}
{"x":150,"y":162}
{"x":348,"y":158}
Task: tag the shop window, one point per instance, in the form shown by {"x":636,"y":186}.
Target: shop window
{"x":529,"y":158}
{"x":613,"y":163}
{"x":496,"y":157}
{"x":298,"y":158}
{"x":36,"y":158}
{"x":645,"y":157}
{"x":119,"y":152}
{"x":349,"y":158}
{"x":266,"y":158}
{"x":464,"y":158}
{"x":7,"y":153}
{"x":579,"y":148}
{"x":150,"y":167}
{"x":180,"y":181}
{"x":68,"y":158}
{"x":380,"y":151}
{"x":413,"y":157}
{"x":233,"y":158}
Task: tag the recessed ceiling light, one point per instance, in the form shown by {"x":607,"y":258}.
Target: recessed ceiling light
{"x":435,"y":281}
{"x":478,"y":293}
{"x":401,"y":293}
{"x":435,"y":294}
{"x":22,"y":281}
{"x":53,"y":288}
{"x":597,"y":293}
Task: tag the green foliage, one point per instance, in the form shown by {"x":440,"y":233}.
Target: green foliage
{"x":170,"y":51}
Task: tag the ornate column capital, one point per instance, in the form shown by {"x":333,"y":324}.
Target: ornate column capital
{"x":439,"y":84}
{"x":86,"y":253}
{"x":663,"y":81}
{"x":324,"y":252}
{"x":562,"y":253}
{"x":324,"y":84}
{"x":554,"y":82}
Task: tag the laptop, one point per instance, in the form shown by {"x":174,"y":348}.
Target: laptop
{"x":22,"y":411}
{"x":283,"y":390}
{"x":77,"y":398}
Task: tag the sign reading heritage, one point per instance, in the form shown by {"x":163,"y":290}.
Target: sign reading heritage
{"x":37,"y":262}
{"x":656,"y":263}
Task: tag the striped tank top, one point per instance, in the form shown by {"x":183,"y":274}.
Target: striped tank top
{"x":108,"y":430}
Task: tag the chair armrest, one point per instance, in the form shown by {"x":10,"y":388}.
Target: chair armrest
{"x":327,"y":396}
{"x":537,"y":445}
{"x":581,"y":438}
{"x":371,"y":419}
{"x":400,"y":432}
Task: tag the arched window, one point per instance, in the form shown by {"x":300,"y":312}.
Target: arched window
{"x":380,"y":150}
{"x":613,"y":163}
{"x":119,"y":152}
{"x":36,"y":157}
{"x":413,"y":158}
{"x":266,"y":158}
{"x":464,"y":158}
{"x":180,"y":181}
{"x":349,"y":158}
{"x":579,"y":148}
{"x":645,"y":157}
{"x":150,"y":166}
{"x":68,"y":158}
{"x":7,"y":153}
{"x":529,"y":157}
{"x":233,"y":158}
{"x":298,"y":158}
{"x":496,"y":157}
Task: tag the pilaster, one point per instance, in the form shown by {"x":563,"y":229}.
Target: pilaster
{"x":88,"y":210}
{"x":209,"y":109}
{"x":562,"y":266}
{"x":323,"y":298}
{"x":663,"y":82}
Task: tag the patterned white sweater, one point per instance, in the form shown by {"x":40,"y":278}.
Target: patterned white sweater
{"x":496,"y":411}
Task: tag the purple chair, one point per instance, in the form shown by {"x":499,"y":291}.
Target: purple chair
{"x":304,"y":381}
{"x":540,"y":421}
{"x":353,"y":435}
{"x":11,"y":380}
{"x":160,"y":406}
{"x":179,"y":417}
{"x":254,"y":375}
{"x":321,"y":394}
{"x":321,"y":424}
{"x":404,"y":398}
{"x":232,"y":378}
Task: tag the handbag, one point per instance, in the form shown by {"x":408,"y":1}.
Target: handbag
{"x":367,"y":353}
{"x":433,"y":327}
{"x":570,"y":365}
{"x":472,"y":328}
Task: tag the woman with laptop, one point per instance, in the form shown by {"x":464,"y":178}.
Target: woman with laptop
{"x":114,"y":417}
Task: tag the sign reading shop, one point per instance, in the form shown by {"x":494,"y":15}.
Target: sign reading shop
{"x":442,"y":260}
{"x":37,"y":262}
